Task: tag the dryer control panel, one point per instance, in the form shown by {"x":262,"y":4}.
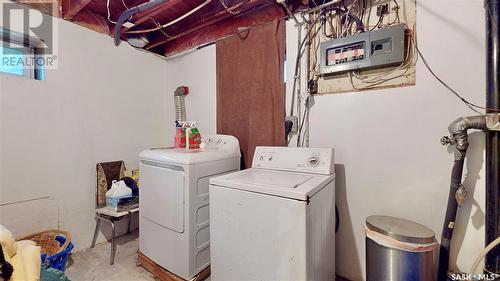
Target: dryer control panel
{"x":296,"y":159}
{"x":223,"y":142}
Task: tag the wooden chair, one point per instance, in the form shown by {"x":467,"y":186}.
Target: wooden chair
{"x":106,"y":173}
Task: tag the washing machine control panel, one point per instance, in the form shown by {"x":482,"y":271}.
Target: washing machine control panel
{"x":298,"y":159}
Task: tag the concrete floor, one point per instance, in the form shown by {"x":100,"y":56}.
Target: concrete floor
{"x":93,"y":264}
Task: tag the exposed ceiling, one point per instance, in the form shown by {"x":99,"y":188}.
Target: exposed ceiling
{"x":207,"y":20}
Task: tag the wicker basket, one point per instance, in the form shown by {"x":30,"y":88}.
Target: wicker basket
{"x":47,"y":240}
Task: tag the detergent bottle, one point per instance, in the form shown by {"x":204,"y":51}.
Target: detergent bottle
{"x":117,"y":191}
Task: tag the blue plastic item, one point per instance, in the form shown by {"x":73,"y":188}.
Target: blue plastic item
{"x":59,"y":260}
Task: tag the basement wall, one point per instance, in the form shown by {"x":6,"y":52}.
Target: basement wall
{"x":388,"y":154}
{"x":103,"y":104}
{"x":197,"y":71}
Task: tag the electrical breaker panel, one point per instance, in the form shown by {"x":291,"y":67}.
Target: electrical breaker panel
{"x":370,"y":49}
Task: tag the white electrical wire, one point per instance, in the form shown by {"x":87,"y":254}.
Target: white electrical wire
{"x":109,"y":14}
{"x":171,"y":22}
{"x":483,"y":253}
{"x":228,"y":9}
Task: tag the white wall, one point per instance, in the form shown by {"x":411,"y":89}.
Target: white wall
{"x":387,"y":141}
{"x":390,"y":160}
{"x":388,"y":154}
{"x":103,"y":103}
{"x":197,"y":71}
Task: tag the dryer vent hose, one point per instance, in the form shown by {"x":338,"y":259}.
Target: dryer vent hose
{"x":180,"y":104}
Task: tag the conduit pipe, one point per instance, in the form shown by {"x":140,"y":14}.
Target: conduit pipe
{"x":458,"y":137}
{"x":492,"y":208}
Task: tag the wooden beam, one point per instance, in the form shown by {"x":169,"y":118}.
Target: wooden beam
{"x":260,"y":16}
{"x":49,"y":7}
{"x":91,"y":20}
{"x":72,"y":7}
{"x":165,"y":275}
{"x":216,"y":18}
{"x":144,"y":16}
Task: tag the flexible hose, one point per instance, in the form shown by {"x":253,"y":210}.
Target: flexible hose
{"x":132,"y":11}
{"x":180,"y":108}
{"x":449,"y":220}
{"x":483,"y":253}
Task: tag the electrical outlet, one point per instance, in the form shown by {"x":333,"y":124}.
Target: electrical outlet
{"x":295,"y":121}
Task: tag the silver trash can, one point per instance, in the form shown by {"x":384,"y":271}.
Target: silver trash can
{"x":399,"y":250}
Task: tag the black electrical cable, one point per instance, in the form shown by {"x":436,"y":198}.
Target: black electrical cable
{"x":397,"y":13}
{"x":450,"y":88}
{"x":337,"y":219}
{"x":363,"y":11}
{"x":299,"y":55}
{"x":380,"y":19}
{"x":306,"y":109}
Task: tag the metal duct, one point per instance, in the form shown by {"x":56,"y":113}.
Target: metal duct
{"x":492,"y":260}
{"x":180,"y":104}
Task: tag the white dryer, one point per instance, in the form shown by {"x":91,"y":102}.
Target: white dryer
{"x":174,"y":204}
{"x":276,"y":220}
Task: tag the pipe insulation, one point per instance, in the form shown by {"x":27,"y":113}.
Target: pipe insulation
{"x":458,"y":137}
{"x":492,"y":209}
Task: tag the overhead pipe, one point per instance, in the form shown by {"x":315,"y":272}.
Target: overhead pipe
{"x":458,"y":137}
{"x":127,"y":14}
{"x":492,"y":213}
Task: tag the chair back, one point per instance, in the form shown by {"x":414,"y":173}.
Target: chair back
{"x":107,"y":172}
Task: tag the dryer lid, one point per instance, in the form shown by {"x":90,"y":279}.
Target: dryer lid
{"x":299,"y":186}
{"x":216,"y":147}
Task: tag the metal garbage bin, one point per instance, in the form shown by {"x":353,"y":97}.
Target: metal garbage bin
{"x":399,"y":250}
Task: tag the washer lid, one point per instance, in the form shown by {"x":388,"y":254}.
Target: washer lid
{"x":401,"y":229}
{"x":300,"y":186}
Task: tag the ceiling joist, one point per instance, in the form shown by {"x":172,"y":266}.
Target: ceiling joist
{"x":242,"y":8}
{"x":72,"y":7}
{"x":174,"y":25}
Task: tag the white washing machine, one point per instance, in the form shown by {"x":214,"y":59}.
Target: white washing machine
{"x":276,"y":220}
{"x":174,"y":205}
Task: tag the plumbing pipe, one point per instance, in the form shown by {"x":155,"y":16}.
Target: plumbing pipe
{"x":483,"y":253}
{"x":492,"y":208}
{"x":130,"y":12}
{"x":458,"y":137}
